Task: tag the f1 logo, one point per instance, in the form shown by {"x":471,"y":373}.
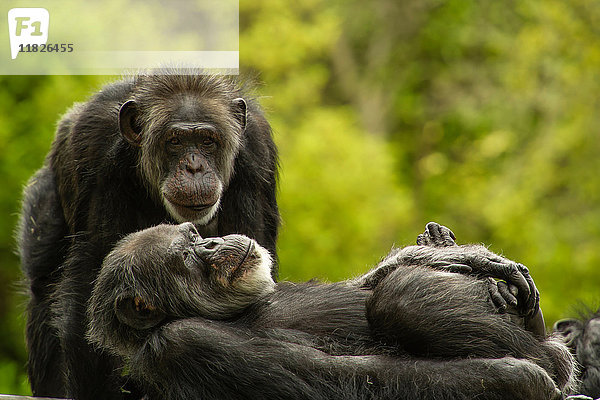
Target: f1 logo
{"x":27,"y":26}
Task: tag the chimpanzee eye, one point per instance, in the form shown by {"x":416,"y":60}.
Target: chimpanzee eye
{"x":174,"y":141}
{"x":185,"y":254}
{"x":208,"y":142}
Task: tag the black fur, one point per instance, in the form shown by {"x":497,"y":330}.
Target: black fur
{"x":583,"y":338}
{"x":414,"y":333}
{"x":204,"y":359}
{"x":92,"y":191}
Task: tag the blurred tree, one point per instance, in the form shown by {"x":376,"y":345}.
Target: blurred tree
{"x":339,"y":201}
{"x":490,"y":108}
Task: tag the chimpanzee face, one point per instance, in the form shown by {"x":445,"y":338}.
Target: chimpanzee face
{"x":169,"y":271}
{"x":188,"y":141}
{"x":232,"y":262}
{"x":582,"y":336}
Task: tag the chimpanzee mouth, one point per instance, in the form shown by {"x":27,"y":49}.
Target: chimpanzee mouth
{"x":200,"y":207}
{"x":192,"y":207}
{"x":246,"y":263}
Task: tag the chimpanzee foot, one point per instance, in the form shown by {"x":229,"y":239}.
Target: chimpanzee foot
{"x":436,"y":235}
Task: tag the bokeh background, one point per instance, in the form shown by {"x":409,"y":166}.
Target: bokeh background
{"x":480,"y":115}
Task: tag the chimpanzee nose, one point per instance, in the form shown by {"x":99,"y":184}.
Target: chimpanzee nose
{"x":208,"y":247}
{"x":194,"y":164}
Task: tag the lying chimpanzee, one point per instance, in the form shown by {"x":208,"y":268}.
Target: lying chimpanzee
{"x":198,"y":318}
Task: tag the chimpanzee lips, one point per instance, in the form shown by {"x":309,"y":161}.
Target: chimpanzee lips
{"x":193,"y":207}
{"x":243,"y":265}
{"x":200,"y":207}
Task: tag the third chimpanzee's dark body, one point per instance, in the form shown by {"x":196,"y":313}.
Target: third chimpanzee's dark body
{"x":402,"y":331}
{"x":583,"y":338}
{"x":144,"y":150}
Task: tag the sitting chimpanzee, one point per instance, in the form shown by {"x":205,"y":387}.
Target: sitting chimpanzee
{"x":163,"y":146}
{"x":202,"y":318}
{"x":583,"y":338}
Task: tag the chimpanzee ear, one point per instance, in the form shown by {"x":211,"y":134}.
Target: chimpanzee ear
{"x":568,"y":328}
{"x":136,"y":313}
{"x":130,"y":129}
{"x":240,"y":111}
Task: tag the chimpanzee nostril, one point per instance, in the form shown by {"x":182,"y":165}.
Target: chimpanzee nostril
{"x":207,"y":247}
{"x":191,"y":169}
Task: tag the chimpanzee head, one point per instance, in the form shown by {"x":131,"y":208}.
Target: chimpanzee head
{"x":583,"y":338}
{"x":169,"y":272}
{"x":189,"y":129}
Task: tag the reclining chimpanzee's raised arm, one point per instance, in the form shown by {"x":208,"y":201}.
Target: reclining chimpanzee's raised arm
{"x":514,"y":291}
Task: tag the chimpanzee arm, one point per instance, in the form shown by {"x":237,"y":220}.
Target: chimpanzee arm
{"x":503,"y":294}
{"x":432,"y":313}
{"x":42,"y":248}
{"x":197,"y":358}
{"x":437,"y":249}
{"x":88,"y":373}
{"x":470,"y":259}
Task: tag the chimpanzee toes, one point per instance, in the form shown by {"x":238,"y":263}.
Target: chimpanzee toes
{"x":436,"y":235}
{"x":423,"y":240}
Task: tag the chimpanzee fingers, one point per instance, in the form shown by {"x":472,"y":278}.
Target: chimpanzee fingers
{"x":512,"y":274}
{"x":447,"y":236}
{"x":497,"y":298}
{"x":532,"y":303}
{"x":459,"y":268}
{"x":504,"y":290}
{"x":434,"y":230}
{"x":428,"y":239}
{"x":423,"y":240}
{"x":513,"y":289}
{"x":518,"y":289}
{"x":537,"y":303}
{"x":451,"y":267}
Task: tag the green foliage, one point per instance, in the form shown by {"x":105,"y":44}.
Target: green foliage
{"x":30,"y":107}
{"x":479,"y":115}
{"x":490,"y":113}
{"x":12,"y":379}
{"x":333,"y":164}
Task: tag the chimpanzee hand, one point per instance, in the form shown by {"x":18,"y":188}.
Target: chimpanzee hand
{"x":438,"y":250}
{"x":502,"y":293}
{"x":515,"y":286}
